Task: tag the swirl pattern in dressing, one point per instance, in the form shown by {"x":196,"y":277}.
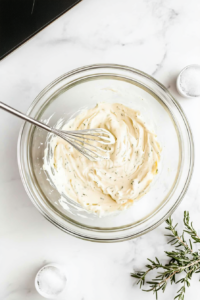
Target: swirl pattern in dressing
{"x":107,"y":185}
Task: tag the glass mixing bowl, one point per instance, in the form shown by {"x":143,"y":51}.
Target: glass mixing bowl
{"x":83,"y":88}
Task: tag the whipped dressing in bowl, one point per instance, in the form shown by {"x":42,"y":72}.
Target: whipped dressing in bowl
{"x":109,"y":185}
{"x":63,"y":99}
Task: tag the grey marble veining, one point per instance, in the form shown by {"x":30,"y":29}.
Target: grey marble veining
{"x":158,"y":37}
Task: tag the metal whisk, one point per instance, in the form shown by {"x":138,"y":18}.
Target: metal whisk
{"x":85,"y":141}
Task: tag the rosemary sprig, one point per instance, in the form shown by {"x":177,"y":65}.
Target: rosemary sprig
{"x":182,"y":259}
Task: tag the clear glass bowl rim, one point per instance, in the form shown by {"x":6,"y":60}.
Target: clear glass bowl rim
{"x":190,"y":172}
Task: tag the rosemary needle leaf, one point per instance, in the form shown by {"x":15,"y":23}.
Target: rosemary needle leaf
{"x":182,"y":260}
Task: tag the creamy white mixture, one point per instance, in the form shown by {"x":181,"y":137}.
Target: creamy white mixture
{"x":107,"y":185}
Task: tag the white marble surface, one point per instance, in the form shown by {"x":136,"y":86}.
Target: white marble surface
{"x":159,"y":37}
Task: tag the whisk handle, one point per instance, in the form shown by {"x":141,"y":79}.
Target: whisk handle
{"x":23,"y":116}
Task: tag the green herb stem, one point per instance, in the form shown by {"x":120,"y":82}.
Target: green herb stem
{"x":182,"y":258}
